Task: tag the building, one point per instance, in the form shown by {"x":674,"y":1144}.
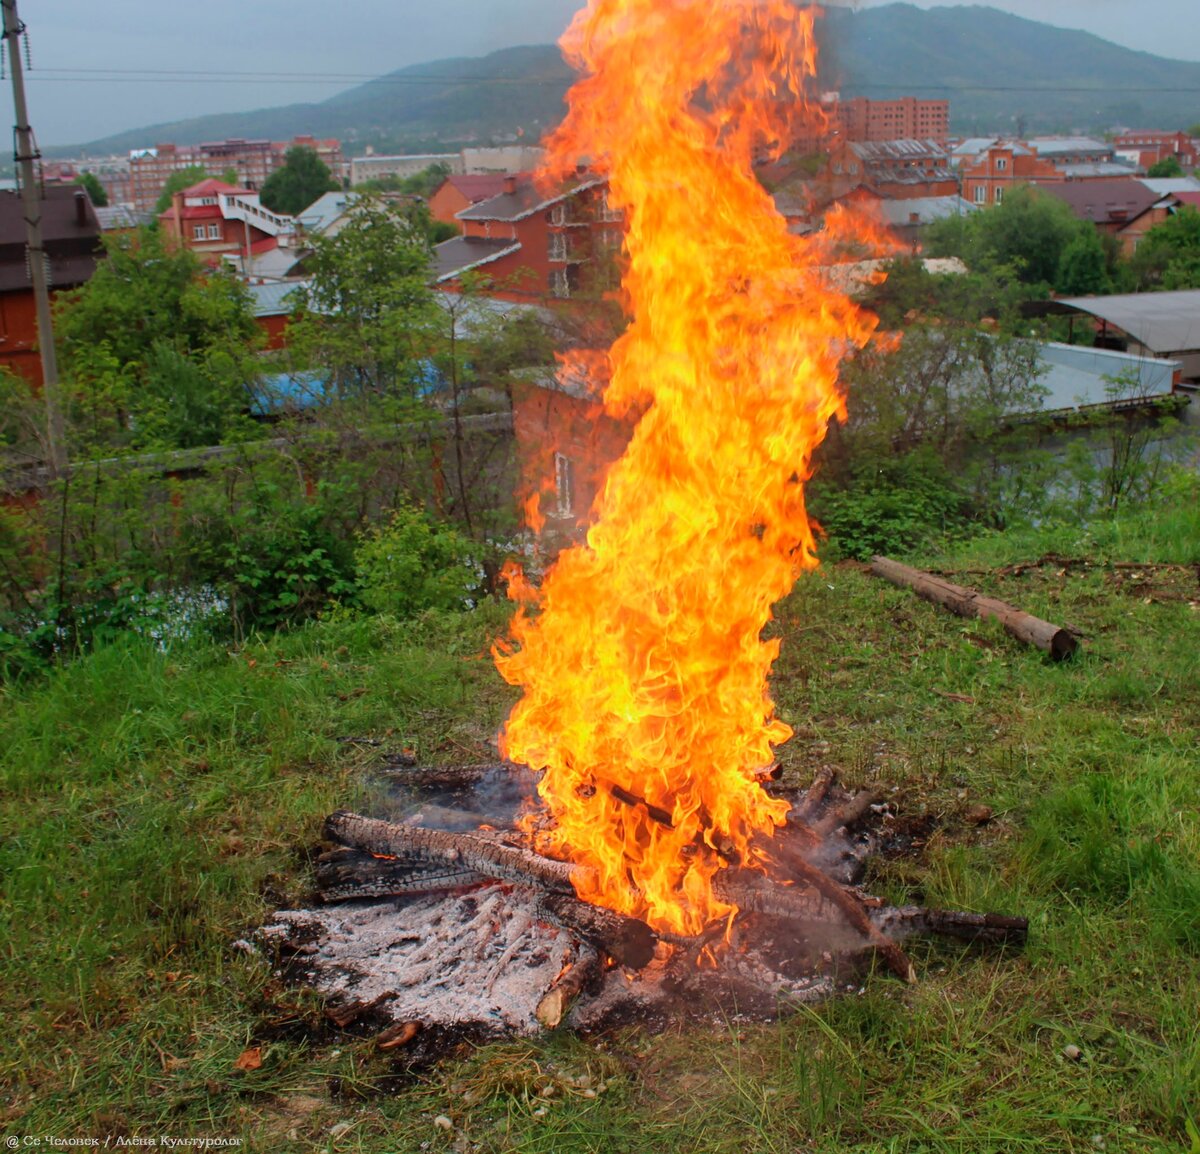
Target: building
{"x":1111,"y":205}
{"x":71,"y":234}
{"x":908,"y":118}
{"x":217,"y":220}
{"x":1145,"y":149}
{"x":252,"y":160}
{"x":460,"y":191}
{"x":365,"y":168}
{"x":534,"y":245}
{"x":896,"y":169}
{"x":1001,"y":166}
{"x":908,"y":219}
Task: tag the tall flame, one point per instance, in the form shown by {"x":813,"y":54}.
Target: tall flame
{"x":641,"y":656}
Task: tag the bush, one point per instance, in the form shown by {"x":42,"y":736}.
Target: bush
{"x":891,"y":506}
{"x":413,"y":563}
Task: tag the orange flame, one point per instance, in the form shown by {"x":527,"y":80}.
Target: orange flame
{"x":641,"y":656}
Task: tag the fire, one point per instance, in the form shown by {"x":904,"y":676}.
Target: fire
{"x":641,"y":656}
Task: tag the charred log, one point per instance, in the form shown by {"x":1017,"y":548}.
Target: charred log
{"x":626,"y":940}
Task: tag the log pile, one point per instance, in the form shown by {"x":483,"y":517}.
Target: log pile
{"x":423,"y":932}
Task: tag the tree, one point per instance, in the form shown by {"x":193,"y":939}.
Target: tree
{"x":368,"y":313}
{"x":155,"y":348}
{"x":424,"y":183}
{"x":1166,"y":168}
{"x":1082,"y":268}
{"x":1169,"y":255}
{"x":1027,"y":232}
{"x":302,"y":179}
{"x":177,"y":182}
{"x":89,"y":182}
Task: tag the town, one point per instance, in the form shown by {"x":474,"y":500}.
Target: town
{"x":666,"y":619}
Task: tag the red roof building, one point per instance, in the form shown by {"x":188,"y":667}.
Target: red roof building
{"x":1000,"y":167}
{"x":458,"y":192}
{"x":216,"y":220}
{"x":532,"y":245}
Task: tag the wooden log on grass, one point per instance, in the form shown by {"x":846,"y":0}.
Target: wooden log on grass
{"x":1053,"y":639}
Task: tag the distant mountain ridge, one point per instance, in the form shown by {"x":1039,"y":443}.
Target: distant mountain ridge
{"x":1000,"y":72}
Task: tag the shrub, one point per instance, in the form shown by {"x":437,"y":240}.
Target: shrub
{"x":413,"y":563}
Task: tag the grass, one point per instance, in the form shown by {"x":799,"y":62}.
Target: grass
{"x":155,"y":806}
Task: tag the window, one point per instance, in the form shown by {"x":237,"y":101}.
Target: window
{"x":606,"y":212}
{"x":980,"y":194}
{"x":999,"y":194}
{"x":560,"y":286}
{"x":214,"y":232}
{"x":564,"y":485}
{"x":197,"y":232}
{"x":558,"y":214}
{"x":1001,"y":163}
{"x":558,"y":246}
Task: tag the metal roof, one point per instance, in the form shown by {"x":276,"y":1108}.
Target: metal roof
{"x":1067,"y":145}
{"x":906,"y":149}
{"x":1078,"y":377}
{"x":899,"y":213}
{"x":275,"y":298}
{"x":1169,"y":186}
{"x":460,"y":253}
{"x":1161,"y":322}
{"x":523,"y":203}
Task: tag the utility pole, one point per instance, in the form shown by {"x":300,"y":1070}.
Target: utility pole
{"x":25,"y":153}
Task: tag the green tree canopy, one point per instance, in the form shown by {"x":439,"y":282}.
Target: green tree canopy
{"x":1166,"y":168}
{"x":177,"y":182}
{"x":1027,"y":232}
{"x":303,"y":177}
{"x":156,"y":349}
{"x":368,"y":315}
{"x":1169,"y":255}
{"x":90,"y":183}
{"x":1083,"y":266}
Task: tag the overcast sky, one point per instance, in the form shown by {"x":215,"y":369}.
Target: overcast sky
{"x":102,"y":67}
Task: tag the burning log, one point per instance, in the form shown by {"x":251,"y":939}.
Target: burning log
{"x":448,"y":777}
{"x":556,"y":1002}
{"x":346,"y":874}
{"x":626,"y":940}
{"x":1052,"y":639}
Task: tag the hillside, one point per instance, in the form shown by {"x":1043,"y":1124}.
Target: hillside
{"x":1000,"y":72}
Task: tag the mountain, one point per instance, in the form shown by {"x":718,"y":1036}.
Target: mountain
{"x":515,"y":90}
{"x":1000,"y":72}
{"x":1005,"y":73}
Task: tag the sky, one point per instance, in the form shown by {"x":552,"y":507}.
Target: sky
{"x":100,"y":68}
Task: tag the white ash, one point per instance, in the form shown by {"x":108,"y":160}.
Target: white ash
{"x":478,"y":960}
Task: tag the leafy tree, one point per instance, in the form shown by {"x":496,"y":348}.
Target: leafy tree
{"x":1028,"y":233}
{"x":155,"y":348}
{"x":302,"y":179}
{"x":1166,"y":168}
{"x":368,"y":313}
{"x":90,"y":183}
{"x":1169,"y":255}
{"x":1082,"y":268}
{"x":177,"y":182}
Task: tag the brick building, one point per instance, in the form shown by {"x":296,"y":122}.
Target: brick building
{"x":895,"y":169}
{"x":252,"y":160}
{"x":908,"y":118}
{"x":71,"y":234}
{"x":1148,"y":148}
{"x":461,"y":191}
{"x":998,"y":168}
{"x":533,"y":245}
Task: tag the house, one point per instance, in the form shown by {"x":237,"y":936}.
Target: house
{"x":216,"y":220}
{"x":1113,"y":206}
{"x":1145,"y":149}
{"x":909,"y":218}
{"x":999,"y":167}
{"x":534,"y":244}
{"x":899,"y":169}
{"x":460,"y":191}
{"x":71,"y":234}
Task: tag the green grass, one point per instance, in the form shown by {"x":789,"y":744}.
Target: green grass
{"x":155,"y":807}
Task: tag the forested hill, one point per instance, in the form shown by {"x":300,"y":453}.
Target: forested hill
{"x":999,"y":71}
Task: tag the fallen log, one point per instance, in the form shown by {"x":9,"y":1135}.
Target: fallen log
{"x":1050,"y":638}
{"x":349,"y":874}
{"x":556,"y":1002}
{"x":467,"y":851}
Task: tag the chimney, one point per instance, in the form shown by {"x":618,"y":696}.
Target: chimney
{"x":510,"y":185}
{"x":81,"y":208}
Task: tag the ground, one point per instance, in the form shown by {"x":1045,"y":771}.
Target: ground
{"x":156,"y":806}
